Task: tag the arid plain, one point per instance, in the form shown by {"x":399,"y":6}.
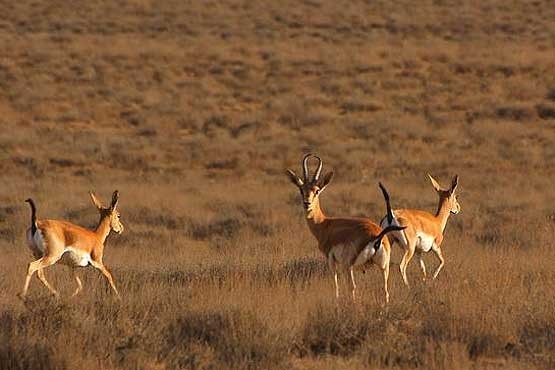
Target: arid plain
{"x":194,"y":109}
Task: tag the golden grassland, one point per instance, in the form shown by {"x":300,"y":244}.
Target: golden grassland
{"x":194,"y":109}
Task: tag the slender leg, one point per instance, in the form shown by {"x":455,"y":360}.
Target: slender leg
{"x":422,"y":265}
{"x":333,"y":268}
{"x":353,"y":284}
{"x":437,"y":251}
{"x":385,"y":282}
{"x":409,"y":252}
{"x":35,"y":266}
{"x":42,"y":278}
{"x":79,"y":283}
{"x":100,"y":266}
{"x":336,"y":278}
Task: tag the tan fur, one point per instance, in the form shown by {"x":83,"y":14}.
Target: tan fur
{"x":63,"y":242}
{"x":421,"y":222}
{"x":341,"y":240}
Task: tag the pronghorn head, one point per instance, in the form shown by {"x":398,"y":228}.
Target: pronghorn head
{"x":310,"y":188}
{"x":448,"y":195}
{"x":110,"y":213}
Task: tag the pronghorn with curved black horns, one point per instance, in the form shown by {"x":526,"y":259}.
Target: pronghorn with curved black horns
{"x":424,"y":231}
{"x":53,"y":241}
{"x":347,"y":242}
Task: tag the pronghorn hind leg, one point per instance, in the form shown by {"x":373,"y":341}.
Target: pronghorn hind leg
{"x":409,"y":252}
{"x":100,"y":266}
{"x":42,"y":277}
{"x":348,"y":284}
{"x":439,"y":255}
{"x":385,"y":271}
{"x":35,"y":266}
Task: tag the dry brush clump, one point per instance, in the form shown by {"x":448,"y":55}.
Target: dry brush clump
{"x":235,"y":339}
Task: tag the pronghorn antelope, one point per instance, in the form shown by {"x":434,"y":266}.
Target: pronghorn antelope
{"x":53,"y":241}
{"x":348,"y":243}
{"x":424,"y":231}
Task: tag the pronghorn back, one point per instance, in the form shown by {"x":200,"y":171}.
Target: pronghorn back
{"x":347,"y":230}
{"x":53,"y":241}
{"x":424,"y":230}
{"x":67,"y":233}
{"x":421,"y":220}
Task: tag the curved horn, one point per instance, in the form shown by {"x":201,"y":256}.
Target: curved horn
{"x":319,"y":169}
{"x":305,"y":166}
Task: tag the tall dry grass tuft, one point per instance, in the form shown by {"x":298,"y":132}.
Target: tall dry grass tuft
{"x":233,"y":339}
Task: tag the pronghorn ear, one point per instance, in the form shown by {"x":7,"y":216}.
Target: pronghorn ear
{"x":454,"y":184}
{"x":95,"y":200}
{"x":435,"y":184}
{"x":294,"y":178}
{"x":115,"y":199}
{"x":324,"y":181}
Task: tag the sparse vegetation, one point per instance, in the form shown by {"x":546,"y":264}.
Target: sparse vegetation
{"x":194,"y":109}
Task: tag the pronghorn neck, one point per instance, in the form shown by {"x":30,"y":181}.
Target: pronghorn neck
{"x":103,"y":228}
{"x":315,"y":218}
{"x":443,"y":212}
{"x":316,"y":214}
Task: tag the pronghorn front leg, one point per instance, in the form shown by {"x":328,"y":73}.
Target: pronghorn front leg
{"x":42,"y":278}
{"x":422,"y":265}
{"x":79,"y":284}
{"x":439,"y":255}
{"x":333,"y":267}
{"x":100,"y":266}
{"x":77,"y":280}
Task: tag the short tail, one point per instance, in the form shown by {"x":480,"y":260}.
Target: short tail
{"x":387,"y":204}
{"x":33,"y":215}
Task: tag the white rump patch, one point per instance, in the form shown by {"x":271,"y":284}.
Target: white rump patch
{"x":36,"y":243}
{"x":75,"y":257}
{"x":366,"y":254}
{"x":399,"y":234}
{"x":425,"y":242}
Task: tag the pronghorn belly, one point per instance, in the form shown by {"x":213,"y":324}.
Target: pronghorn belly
{"x":75,"y":257}
{"x":425,"y":242}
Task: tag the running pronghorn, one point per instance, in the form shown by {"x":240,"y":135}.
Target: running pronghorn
{"x":348,"y":243}
{"x":424,"y":231}
{"x":53,"y":241}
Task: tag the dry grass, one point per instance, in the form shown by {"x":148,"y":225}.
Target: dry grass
{"x":193,"y":109}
